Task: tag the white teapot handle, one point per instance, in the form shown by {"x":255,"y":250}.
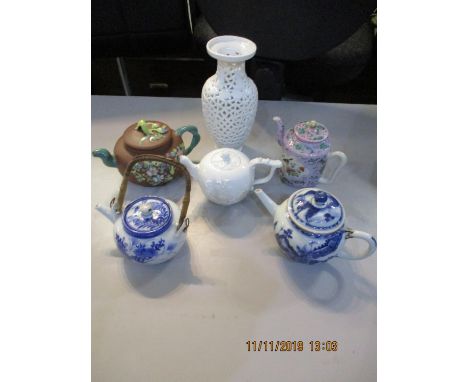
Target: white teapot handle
{"x":353,"y":234}
{"x":343,"y":159}
{"x":274,"y":164}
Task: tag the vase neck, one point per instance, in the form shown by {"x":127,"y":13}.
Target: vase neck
{"x":227,"y":70}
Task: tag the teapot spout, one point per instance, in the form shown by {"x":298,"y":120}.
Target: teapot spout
{"x":107,"y":212}
{"x":191,"y":167}
{"x":280,"y":130}
{"x":106,"y":157}
{"x":269,"y":204}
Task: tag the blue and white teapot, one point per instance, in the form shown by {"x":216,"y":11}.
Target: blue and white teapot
{"x":310,"y":226}
{"x":150,"y":229}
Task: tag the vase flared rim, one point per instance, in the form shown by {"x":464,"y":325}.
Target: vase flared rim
{"x":231,"y":48}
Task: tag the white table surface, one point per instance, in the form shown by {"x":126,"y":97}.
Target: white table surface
{"x":189,"y":319}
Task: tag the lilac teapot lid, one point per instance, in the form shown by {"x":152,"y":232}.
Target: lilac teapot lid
{"x":311,"y":132}
{"x":308,"y":138}
{"x":147,"y":216}
{"x":314,"y":210}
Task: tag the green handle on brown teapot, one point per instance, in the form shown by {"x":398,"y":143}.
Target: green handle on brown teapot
{"x":195,"y":136}
{"x":156,"y":158}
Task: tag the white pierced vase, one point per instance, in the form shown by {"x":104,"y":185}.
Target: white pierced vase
{"x":230,"y":97}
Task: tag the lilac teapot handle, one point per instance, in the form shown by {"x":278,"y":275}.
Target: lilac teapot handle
{"x":342,"y":160}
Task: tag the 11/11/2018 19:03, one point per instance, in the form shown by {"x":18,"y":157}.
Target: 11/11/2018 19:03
{"x":314,"y":346}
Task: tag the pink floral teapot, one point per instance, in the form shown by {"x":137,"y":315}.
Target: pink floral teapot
{"x":306,"y":150}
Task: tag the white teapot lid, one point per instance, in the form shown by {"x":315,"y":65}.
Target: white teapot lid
{"x":225,"y":159}
{"x":317,"y":211}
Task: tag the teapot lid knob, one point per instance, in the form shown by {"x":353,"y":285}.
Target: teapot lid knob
{"x":320,"y":198}
{"x":146,"y":209}
{"x":226,"y":157}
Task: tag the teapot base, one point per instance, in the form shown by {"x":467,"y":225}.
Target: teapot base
{"x":299,"y":182}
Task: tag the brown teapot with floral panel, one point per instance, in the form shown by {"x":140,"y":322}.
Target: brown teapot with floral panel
{"x":149,"y":137}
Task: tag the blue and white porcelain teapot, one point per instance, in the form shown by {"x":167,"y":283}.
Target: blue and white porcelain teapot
{"x":310,"y":226}
{"x":150,"y":229}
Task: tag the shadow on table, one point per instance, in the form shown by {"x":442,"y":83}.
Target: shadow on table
{"x":155,"y":281}
{"x":333,"y":285}
{"x":235,"y":221}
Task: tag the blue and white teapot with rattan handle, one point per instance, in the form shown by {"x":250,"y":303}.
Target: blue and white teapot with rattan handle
{"x":150,"y":229}
{"x":310,"y":226}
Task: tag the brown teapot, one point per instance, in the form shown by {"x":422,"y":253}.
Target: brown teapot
{"x":149,"y":137}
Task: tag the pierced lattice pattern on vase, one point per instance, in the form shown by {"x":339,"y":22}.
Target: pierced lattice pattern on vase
{"x":229,"y":102}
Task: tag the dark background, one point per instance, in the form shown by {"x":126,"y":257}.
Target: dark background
{"x":317,"y":50}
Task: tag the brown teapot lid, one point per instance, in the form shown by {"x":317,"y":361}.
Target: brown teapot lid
{"x":148,"y":135}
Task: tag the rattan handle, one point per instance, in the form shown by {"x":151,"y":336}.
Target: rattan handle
{"x":156,"y":158}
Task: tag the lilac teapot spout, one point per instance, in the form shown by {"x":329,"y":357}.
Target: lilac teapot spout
{"x":306,"y":151}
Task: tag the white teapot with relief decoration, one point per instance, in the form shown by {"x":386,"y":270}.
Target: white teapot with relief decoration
{"x":227,"y":175}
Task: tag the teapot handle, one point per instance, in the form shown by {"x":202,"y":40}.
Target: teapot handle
{"x":156,"y":158}
{"x":195,"y":137}
{"x":353,"y":234}
{"x":274,"y":164}
{"x":343,"y":159}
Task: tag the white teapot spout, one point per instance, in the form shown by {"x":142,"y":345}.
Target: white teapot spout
{"x":109,"y":213}
{"x":191,"y":167}
{"x":269,"y":204}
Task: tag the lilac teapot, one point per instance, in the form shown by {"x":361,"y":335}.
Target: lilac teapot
{"x":306,"y":150}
